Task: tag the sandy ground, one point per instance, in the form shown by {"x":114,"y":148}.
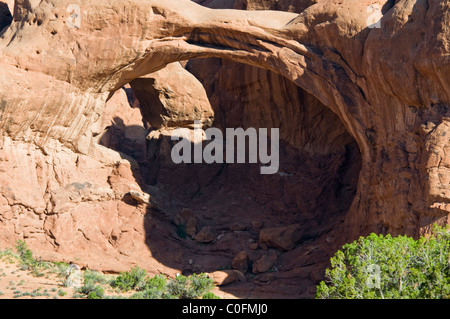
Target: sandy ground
{"x":16,"y":283}
{"x":19,"y":283}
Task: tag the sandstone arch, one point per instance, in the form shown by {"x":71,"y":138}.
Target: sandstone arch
{"x":389,"y":86}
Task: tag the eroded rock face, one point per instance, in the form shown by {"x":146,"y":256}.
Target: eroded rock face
{"x":172,"y":97}
{"x":69,"y":206}
{"x":57,"y":181}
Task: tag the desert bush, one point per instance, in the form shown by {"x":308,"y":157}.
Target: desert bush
{"x":96,"y":277}
{"x":157,"y":282}
{"x":151,"y":293}
{"x":156,"y":287}
{"x":182,"y":287}
{"x":25,"y":255}
{"x":97,"y":293}
{"x":87,"y":288}
{"x":27,"y":260}
{"x":210,"y":295}
{"x":92,"y":284}
{"x":152,"y":288}
{"x":133,"y":279}
{"x":192,"y":287}
{"x":61,"y":293}
{"x":389,"y":267}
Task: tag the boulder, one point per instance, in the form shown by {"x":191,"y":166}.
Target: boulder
{"x":264,"y":264}
{"x":226,"y":277}
{"x":285,"y":237}
{"x":206,"y":235}
{"x":240,"y":262}
{"x":237,"y":227}
{"x":166,"y":103}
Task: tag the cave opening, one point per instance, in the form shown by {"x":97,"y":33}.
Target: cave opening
{"x":208,"y":213}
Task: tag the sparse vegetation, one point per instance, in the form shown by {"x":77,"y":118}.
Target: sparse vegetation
{"x":134,"y":279}
{"x":158,"y":287}
{"x":133,"y":284}
{"x":210,"y":295}
{"x":192,"y":287}
{"x":27,"y":260}
{"x":25,"y":255}
{"x":92,"y":284}
{"x":62,"y":293}
{"x":97,"y":293}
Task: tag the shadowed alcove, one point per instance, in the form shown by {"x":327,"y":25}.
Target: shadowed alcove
{"x":208,"y":213}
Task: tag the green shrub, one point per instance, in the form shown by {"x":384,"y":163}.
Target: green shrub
{"x":380,"y":266}
{"x":61,"y":293}
{"x":90,"y":286}
{"x":181,"y":287}
{"x":96,"y":293}
{"x":25,"y":255}
{"x":151,"y":293}
{"x":27,"y":260}
{"x":210,"y":295}
{"x":156,"y":287}
{"x":178,"y":287}
{"x":191,"y":287}
{"x":153,"y":288}
{"x":133,"y":279}
{"x":87,"y":288}
{"x":157,"y":282}
{"x":96,"y":277}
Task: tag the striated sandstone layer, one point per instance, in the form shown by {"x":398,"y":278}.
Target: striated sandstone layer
{"x":68,"y":194}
